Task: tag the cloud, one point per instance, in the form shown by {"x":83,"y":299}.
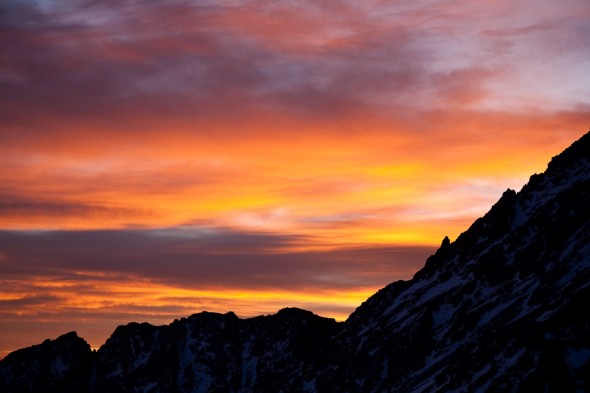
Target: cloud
{"x":199,"y":258}
{"x":102,"y":73}
{"x":93,"y":280}
{"x":27,"y":302}
{"x":136,"y":67}
{"x":260,"y":136}
{"x":14,"y":208}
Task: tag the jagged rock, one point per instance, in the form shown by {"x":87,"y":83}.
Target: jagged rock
{"x":60,"y":365}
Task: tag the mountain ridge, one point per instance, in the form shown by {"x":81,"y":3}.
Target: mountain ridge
{"x":493,"y":251}
{"x":501,"y":308}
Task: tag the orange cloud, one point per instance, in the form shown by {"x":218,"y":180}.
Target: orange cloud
{"x":280,"y":182}
{"x":287,"y":132}
{"x":93,"y":280}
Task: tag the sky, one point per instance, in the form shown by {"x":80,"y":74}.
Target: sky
{"x":161,"y":158}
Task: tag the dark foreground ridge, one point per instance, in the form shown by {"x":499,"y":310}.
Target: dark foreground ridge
{"x":504,"y":308}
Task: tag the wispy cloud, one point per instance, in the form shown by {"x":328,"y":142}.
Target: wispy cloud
{"x":75,"y":277}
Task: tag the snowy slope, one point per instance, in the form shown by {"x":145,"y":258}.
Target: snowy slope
{"x":503,"y":308}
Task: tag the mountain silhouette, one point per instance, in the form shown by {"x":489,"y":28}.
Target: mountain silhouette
{"x":503,"y":308}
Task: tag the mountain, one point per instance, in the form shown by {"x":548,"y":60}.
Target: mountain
{"x":503,"y":308}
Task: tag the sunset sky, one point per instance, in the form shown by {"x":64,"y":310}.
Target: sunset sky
{"x":160,"y":158}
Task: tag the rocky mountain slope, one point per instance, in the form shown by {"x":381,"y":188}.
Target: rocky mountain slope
{"x":502,"y":308}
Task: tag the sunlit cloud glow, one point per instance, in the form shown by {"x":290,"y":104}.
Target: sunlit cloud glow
{"x":163,"y":158}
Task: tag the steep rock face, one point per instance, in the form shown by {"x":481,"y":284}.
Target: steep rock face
{"x":502,"y":308}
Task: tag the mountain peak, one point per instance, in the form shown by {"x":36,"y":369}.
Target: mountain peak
{"x":577,"y":152}
{"x":64,"y":362}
